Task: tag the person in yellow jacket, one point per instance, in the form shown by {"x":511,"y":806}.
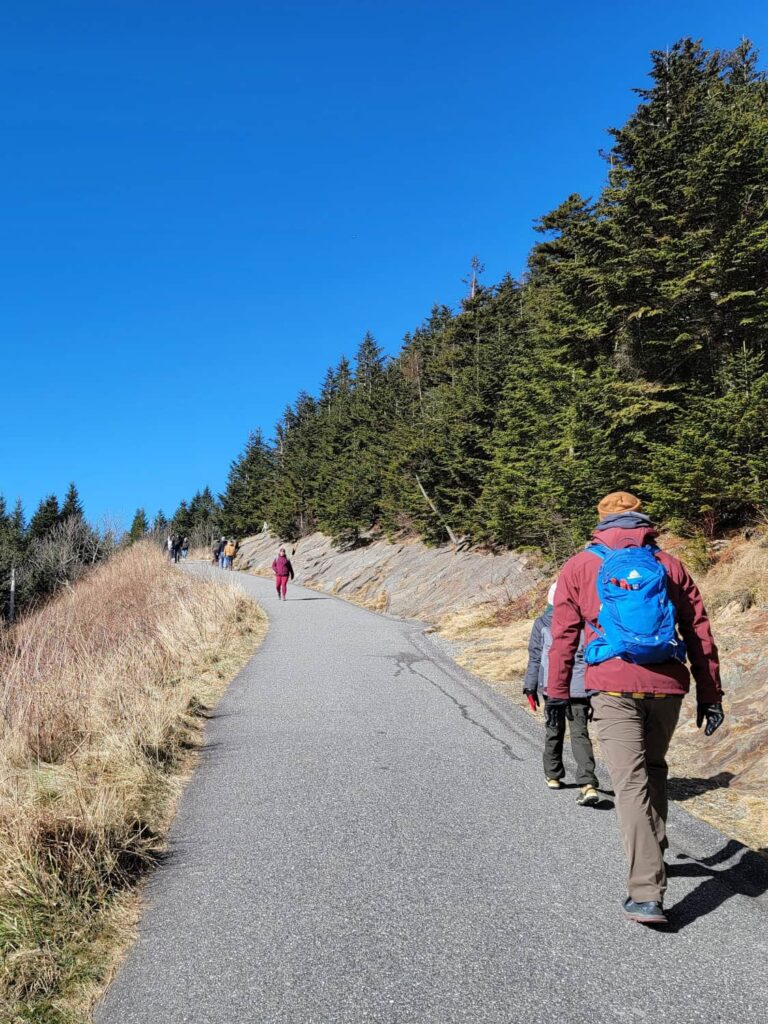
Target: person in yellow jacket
{"x":229,"y":553}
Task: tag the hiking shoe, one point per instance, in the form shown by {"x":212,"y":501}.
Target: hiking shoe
{"x":644,"y":913}
{"x":554,"y":783}
{"x":588,"y":797}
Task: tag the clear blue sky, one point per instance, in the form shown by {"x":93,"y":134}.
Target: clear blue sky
{"x":207,"y":203}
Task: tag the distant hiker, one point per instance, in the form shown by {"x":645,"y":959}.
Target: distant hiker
{"x":215,"y":553}
{"x":283,"y":570}
{"x":169,"y":547}
{"x":631,"y":599}
{"x":230,"y":550}
{"x":185,"y":547}
{"x":535,"y":684}
{"x":220,"y":551}
{"x":176,"y":548}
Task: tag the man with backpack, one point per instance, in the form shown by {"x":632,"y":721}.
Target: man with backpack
{"x":535,"y":685}
{"x":642,"y":615}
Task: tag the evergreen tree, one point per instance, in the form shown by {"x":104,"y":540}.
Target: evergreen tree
{"x":18,"y":525}
{"x":160,"y":525}
{"x":182,"y":523}
{"x":139,"y":526}
{"x":72,"y":506}
{"x":251,"y":480}
{"x":45,"y":518}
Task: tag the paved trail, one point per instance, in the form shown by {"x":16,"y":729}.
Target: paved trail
{"x":369,"y":838}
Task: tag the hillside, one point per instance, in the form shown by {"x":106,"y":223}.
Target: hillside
{"x":406,"y":578}
{"x":483,"y":607}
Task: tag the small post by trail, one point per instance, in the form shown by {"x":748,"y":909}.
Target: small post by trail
{"x":12,"y":596}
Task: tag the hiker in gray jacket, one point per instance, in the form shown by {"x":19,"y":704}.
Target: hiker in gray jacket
{"x":535,"y":685}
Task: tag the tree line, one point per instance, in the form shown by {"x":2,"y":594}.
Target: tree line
{"x":631,"y":355}
{"x":53,"y":549}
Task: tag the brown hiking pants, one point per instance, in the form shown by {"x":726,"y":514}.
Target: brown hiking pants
{"x":634,"y":736}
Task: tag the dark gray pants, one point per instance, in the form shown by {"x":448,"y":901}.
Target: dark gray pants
{"x":581,"y":745}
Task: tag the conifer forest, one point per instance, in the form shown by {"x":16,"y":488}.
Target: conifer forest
{"x":632,"y":354}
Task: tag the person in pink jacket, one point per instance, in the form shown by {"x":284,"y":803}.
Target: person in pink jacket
{"x":283,"y":571}
{"x":637,"y":704}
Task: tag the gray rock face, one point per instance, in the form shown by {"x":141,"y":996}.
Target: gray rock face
{"x":404,"y":579}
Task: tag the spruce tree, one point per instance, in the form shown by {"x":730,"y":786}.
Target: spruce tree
{"x":249,"y":490}
{"x":72,"y":507}
{"x":45,"y":518}
{"x":139,"y":526}
{"x":160,"y":525}
{"x":18,"y":527}
{"x":182,"y":523}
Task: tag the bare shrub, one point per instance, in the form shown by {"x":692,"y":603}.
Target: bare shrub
{"x":66,"y":553}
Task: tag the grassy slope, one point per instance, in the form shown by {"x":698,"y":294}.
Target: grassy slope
{"x":103,"y":696}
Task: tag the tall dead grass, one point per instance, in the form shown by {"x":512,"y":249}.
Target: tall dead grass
{"x":101,"y":695}
{"x":739,"y":578}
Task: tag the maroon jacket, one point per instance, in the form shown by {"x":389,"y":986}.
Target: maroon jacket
{"x":577,"y":605}
{"x":281,"y":566}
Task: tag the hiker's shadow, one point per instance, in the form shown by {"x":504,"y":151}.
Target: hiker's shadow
{"x":681,"y":789}
{"x":747,"y":876}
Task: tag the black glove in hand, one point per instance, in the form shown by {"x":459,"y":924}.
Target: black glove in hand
{"x":714,"y":715}
{"x":556,"y":710}
{"x":533,"y":697}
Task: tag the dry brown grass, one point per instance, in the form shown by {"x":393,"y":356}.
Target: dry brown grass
{"x":101,"y":697}
{"x":739,"y":579}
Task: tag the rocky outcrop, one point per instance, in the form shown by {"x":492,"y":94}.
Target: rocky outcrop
{"x":405,"y":579}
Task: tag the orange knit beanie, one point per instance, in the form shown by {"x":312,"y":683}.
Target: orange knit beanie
{"x":618,"y":501}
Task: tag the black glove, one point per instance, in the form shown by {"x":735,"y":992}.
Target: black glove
{"x":533,"y":698}
{"x":714,"y":715}
{"x":556,"y":710}
{"x":590,"y":711}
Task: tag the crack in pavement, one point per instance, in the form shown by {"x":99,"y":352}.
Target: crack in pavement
{"x":406,"y":662}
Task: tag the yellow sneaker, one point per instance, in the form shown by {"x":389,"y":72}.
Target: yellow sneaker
{"x":588,"y":797}
{"x":554,"y":783}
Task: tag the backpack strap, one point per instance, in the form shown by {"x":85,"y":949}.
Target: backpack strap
{"x":602,"y":551}
{"x":596,"y":548}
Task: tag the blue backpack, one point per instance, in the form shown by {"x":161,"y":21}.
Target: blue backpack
{"x":637,"y":620}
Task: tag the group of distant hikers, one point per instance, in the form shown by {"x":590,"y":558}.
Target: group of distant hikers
{"x":176,"y":547}
{"x":224,"y":552}
{"x":610,"y":649}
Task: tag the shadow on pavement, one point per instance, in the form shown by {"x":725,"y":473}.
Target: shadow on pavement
{"x":748,"y":876}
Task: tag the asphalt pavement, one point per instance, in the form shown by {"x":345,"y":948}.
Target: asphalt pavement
{"x":369,"y":838}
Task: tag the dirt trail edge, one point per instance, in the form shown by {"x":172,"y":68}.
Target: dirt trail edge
{"x":368,"y":838}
